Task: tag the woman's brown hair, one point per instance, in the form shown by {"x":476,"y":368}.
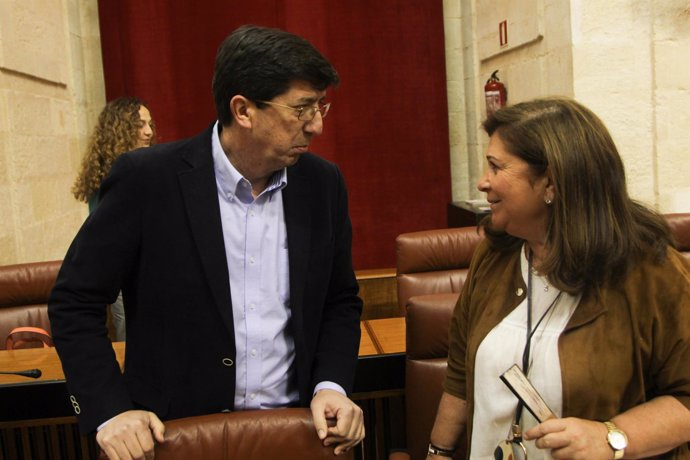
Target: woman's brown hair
{"x":596,"y":232}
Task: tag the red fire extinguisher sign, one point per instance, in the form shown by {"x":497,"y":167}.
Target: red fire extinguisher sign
{"x":495,"y":93}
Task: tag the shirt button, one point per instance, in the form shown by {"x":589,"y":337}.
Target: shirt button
{"x":251,"y":260}
{"x":252,"y":396}
{"x":227,"y":362}
{"x":252,"y":306}
{"x":253,"y":351}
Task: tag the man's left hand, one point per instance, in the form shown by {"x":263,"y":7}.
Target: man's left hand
{"x":349,"y":420}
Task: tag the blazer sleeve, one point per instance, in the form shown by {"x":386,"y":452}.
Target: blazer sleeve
{"x":90,"y":278}
{"x":338,"y":344}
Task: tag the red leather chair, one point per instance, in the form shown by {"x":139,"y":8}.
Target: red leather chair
{"x":24,"y":291}
{"x":431,"y":270}
{"x":286,"y":434}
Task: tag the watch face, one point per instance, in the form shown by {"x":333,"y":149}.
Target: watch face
{"x":617,"y":440}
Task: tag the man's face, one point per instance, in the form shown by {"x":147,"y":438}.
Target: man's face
{"x":279,"y":136}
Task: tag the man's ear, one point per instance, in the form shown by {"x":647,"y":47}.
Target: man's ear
{"x":242,"y":110}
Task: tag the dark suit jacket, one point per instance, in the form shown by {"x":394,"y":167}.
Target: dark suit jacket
{"x":157,"y":235}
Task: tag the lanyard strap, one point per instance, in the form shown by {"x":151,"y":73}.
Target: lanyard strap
{"x":530,"y":332}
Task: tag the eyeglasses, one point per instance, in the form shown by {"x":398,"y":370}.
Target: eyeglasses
{"x":304,"y":112}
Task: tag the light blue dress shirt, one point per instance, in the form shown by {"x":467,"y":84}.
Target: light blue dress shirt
{"x":256,"y":248}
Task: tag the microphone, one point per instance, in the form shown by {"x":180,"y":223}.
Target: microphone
{"x":32,"y":373}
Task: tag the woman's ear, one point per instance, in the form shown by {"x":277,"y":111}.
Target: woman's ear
{"x":549,"y":188}
{"x":241,"y":110}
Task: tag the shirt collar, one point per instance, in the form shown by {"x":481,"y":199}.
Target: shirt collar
{"x":230,"y":182}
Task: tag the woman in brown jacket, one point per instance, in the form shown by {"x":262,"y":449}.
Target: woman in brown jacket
{"x":580,"y":286}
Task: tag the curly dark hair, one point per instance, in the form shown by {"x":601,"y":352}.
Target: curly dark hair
{"x":116,"y":133}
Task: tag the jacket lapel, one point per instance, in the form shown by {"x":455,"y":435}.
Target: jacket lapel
{"x":296,"y":206}
{"x":198,"y":187}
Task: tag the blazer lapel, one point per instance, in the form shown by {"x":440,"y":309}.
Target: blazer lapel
{"x":200,"y":197}
{"x":296,"y":205}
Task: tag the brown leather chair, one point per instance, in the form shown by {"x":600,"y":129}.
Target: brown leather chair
{"x":431,"y":270}
{"x":286,"y":434}
{"x":433,"y":261}
{"x":680,"y":227}
{"x":24,"y":291}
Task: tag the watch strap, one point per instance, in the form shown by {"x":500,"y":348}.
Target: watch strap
{"x":435,"y":450}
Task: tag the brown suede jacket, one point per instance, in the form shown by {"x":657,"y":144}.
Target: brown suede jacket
{"x":623,"y":346}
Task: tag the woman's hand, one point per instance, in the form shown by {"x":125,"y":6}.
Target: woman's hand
{"x":572,"y":438}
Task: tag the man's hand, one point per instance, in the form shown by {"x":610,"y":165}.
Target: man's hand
{"x":349,"y":420}
{"x":129,"y":435}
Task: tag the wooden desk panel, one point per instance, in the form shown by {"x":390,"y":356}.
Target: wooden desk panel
{"x":380,"y":369}
{"x":45,"y":359}
{"x":389,"y":338}
{"x":366,"y":344}
{"x":388,"y":334}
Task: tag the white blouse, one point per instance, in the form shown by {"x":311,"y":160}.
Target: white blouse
{"x":494,"y":403}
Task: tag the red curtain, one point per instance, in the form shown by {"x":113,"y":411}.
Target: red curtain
{"x":388,"y":127}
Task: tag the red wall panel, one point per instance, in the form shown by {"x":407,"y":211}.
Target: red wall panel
{"x":387,"y":130}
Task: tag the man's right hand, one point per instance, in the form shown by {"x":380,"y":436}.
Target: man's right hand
{"x":129,"y":435}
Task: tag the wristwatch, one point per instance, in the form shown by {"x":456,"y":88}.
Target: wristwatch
{"x":616,"y":439}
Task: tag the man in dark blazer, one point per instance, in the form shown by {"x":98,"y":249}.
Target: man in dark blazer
{"x":219,"y":242}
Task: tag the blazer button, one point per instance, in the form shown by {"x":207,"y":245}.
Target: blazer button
{"x":228,"y":362}
{"x":75,"y":405}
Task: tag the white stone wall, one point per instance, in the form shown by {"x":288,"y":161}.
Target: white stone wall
{"x":625,"y":59}
{"x":51,"y":89}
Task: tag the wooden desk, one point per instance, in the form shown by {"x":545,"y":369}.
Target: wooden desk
{"x":367,"y":347}
{"x":380,"y":368}
{"x":387,"y":335}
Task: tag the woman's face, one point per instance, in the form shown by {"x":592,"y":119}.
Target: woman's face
{"x":145,"y":131}
{"x":517,"y":198}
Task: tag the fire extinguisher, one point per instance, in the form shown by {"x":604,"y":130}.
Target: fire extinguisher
{"x":495,"y":94}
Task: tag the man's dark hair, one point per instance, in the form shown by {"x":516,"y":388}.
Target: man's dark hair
{"x":260,"y":63}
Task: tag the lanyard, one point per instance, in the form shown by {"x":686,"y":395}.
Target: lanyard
{"x":530,"y":331}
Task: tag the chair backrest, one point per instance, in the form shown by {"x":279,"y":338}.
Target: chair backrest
{"x":287,"y":434}
{"x":431,"y":270}
{"x":24,"y":292}
{"x":433,"y":261}
{"x":427,"y":320}
{"x":680,"y":227}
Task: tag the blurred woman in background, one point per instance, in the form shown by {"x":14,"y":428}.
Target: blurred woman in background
{"x":124,"y":124}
